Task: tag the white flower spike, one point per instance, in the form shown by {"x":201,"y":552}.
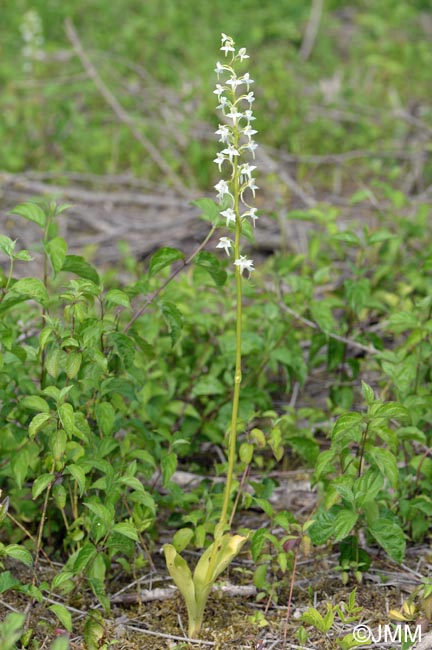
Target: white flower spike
{"x":244,"y":264}
{"x":225,"y":243}
{"x":235,"y":102}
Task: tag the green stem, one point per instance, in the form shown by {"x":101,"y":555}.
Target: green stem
{"x":237,"y":373}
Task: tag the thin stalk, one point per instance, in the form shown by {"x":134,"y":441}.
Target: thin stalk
{"x":232,"y":443}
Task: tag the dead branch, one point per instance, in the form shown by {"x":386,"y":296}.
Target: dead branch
{"x":311,"y":30}
{"x":120,"y":112}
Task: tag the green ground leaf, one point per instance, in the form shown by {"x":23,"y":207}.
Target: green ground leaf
{"x":31,"y":212}
{"x":32,"y":288}
{"x":35,"y":403}
{"x":212,"y":264}
{"x":164,"y":257}
{"x":19,"y":553}
{"x":63,"y":615}
{"x":127,"y":530}
{"x":390,"y":536}
{"x":78,"y":265}
{"x":56,"y":250}
{"x":78,"y":474}
{"x":37,"y":423}
{"x":41,"y":483}
{"x":343,"y":524}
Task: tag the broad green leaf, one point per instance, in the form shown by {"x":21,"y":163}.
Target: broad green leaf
{"x":31,"y":212}
{"x":94,"y":631}
{"x":168,"y":465}
{"x":85,"y":555}
{"x":216,"y":558}
{"x":346,"y":423}
{"x":312,"y":617}
{"x":367,"y":487}
{"x":32,"y":288}
{"x":182,"y":538}
{"x":73,"y":364}
{"x":324,"y":464}
{"x":386,"y":463}
{"x":35,"y":403}
{"x":78,"y":265}
{"x":322,"y":315}
{"x":56,"y":250}
{"x":37,"y":423}
{"x":164,"y":257}
{"x":7,"y":581}
{"x":208,"y":385}
{"x":173,"y":318}
{"x":127,"y":530}
{"x":61,"y":643}
{"x":41,"y":483}
{"x":390,"y":536}
{"x":357,"y":293}
{"x":52,"y":362}
{"x":401,"y":321}
{"x":182,"y":576}
{"x":19,"y":553}
{"x":210,"y":211}
{"x":78,"y":474}
{"x":66,"y":414}
{"x":105,"y":416}
{"x":117,"y":297}
{"x":133,"y":482}
{"x":102,"y":512}
{"x":347,"y":237}
{"x":246,"y":451}
{"x":7,"y":245}
{"x":343,"y":524}
{"x":368,"y":394}
{"x":392,"y":410}
{"x":212,"y":264}
{"x":322,"y":527}
{"x":58,"y":443}
{"x":258,"y":540}
{"x":20,"y":466}
{"x":63,"y":615}
{"x":11,"y":301}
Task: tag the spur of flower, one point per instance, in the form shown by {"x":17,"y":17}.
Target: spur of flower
{"x":235,"y":99}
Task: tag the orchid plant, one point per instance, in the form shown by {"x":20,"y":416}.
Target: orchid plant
{"x":236,"y":135}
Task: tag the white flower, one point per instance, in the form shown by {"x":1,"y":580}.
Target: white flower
{"x":249,"y":115}
{"x":228,"y":46}
{"x":250,"y":97}
{"x":229,"y":215}
{"x":247,"y":80}
{"x":244,"y":264}
{"x":231,"y":151}
{"x":219,"y":90}
{"x":225,"y":243}
{"x":222,"y":189}
{"x":224,"y":38}
{"x":234,"y":114}
{"x":220,"y":158}
{"x":246,"y":170}
{"x":224,"y":133}
{"x":234,"y":82}
{"x":242,"y":54}
{"x":220,"y":68}
{"x":251,"y":185}
{"x":250,"y":213}
{"x":248,"y":131}
{"x":251,"y":145}
{"x":223,"y":102}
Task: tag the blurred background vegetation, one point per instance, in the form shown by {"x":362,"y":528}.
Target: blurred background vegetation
{"x":362,"y":85}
